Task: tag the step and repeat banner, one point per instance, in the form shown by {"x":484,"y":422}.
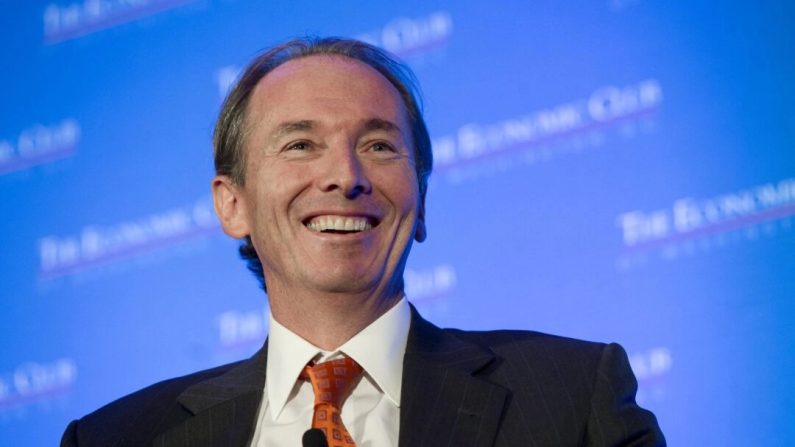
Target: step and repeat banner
{"x":612,"y":170}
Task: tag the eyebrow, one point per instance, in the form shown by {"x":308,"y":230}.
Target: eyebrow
{"x":381,"y":124}
{"x":293,"y":126}
{"x":369,"y":125}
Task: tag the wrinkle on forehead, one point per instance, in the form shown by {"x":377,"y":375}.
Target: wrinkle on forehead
{"x":328,"y":71}
{"x":285,"y":98}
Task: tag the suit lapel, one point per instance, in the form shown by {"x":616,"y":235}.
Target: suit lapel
{"x":445,"y":398}
{"x":223,"y":408}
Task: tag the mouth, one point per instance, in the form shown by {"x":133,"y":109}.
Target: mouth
{"x":335,"y":224}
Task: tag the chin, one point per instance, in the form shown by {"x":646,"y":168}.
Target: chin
{"x":345,"y":284}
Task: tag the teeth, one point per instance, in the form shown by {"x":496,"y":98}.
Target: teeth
{"x":338,"y":223}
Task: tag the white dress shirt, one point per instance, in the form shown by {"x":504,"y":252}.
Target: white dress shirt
{"x":371,"y":413}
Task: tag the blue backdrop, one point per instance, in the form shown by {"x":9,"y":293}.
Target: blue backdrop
{"x":614,"y":170}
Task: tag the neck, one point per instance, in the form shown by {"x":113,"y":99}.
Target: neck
{"x":329,"y":319}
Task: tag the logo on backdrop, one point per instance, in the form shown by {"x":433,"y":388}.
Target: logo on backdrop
{"x":429,"y":284}
{"x":64,"y":22}
{"x":670,"y":231}
{"x":39,"y":144}
{"x":430,"y":289}
{"x":538,"y":135}
{"x":98,"y":245}
{"x":238,"y":329}
{"x":225,"y":78}
{"x":651,"y":368}
{"x":402,"y":36}
{"x":32,"y":382}
{"x":245,"y":329}
{"x":408,"y":37}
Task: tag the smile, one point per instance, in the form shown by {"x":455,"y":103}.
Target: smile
{"x":339,"y":224}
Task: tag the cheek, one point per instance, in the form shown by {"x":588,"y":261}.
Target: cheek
{"x":277,"y":186}
{"x":401,"y":188}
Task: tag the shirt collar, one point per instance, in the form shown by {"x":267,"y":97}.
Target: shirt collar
{"x":379,"y":348}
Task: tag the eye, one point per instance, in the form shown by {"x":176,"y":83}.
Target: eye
{"x":380,"y":146}
{"x":298,"y":146}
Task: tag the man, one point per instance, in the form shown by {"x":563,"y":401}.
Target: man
{"x":322,"y":159}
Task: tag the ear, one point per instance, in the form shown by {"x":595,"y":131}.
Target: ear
{"x":230,"y":206}
{"x":421,"y":232}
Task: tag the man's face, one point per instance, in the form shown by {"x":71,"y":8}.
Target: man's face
{"x":331,"y":199}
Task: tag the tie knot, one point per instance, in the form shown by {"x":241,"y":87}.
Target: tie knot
{"x":332,"y":381}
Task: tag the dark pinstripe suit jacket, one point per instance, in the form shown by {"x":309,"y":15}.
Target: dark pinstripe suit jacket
{"x":503,"y":388}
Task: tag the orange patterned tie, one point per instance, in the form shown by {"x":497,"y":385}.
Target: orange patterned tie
{"x":332,"y":381}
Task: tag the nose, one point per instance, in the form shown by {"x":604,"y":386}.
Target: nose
{"x":344,"y":172}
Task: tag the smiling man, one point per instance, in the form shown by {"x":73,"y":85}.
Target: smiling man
{"x":322,"y":161}
{"x":329,"y":196}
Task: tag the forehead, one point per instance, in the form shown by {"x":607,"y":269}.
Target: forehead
{"x":325,"y":88}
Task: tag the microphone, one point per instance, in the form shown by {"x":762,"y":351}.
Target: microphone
{"x":314,"y":437}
